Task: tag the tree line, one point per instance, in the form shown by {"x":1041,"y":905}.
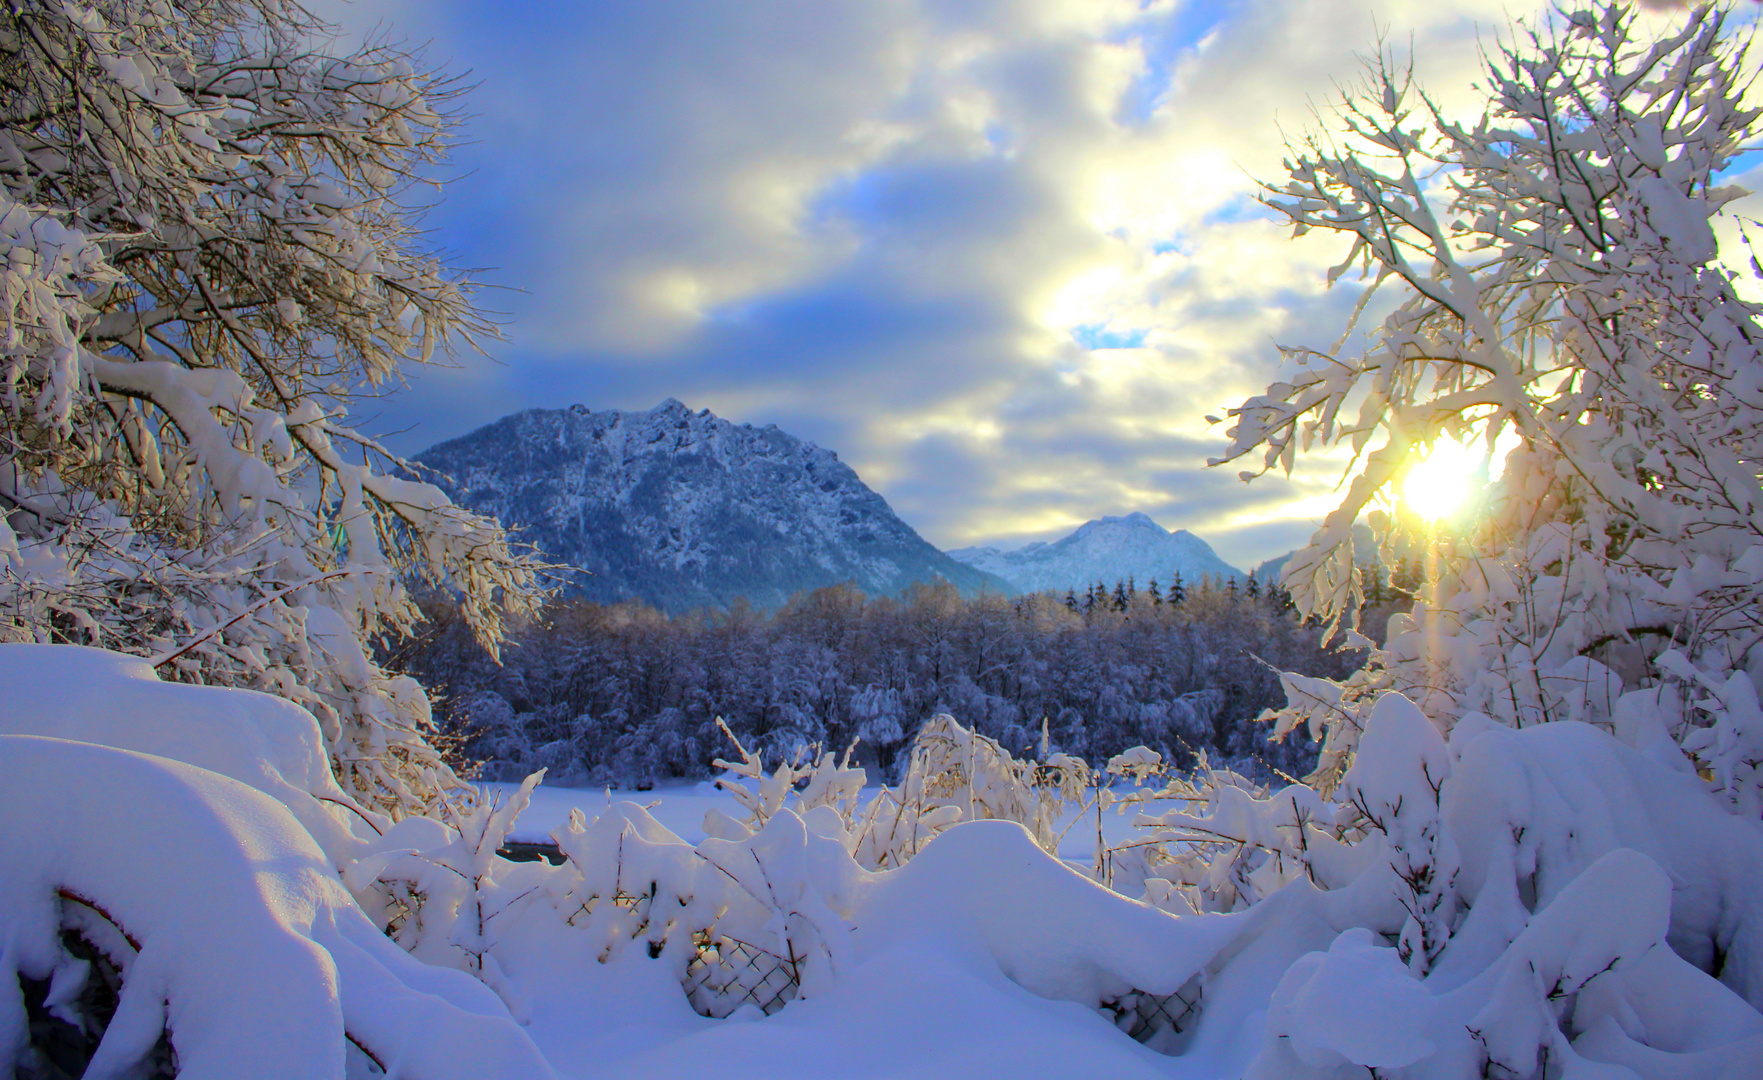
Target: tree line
{"x":623,"y":692}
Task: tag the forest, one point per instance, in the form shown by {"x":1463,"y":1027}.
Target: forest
{"x":624,"y":693}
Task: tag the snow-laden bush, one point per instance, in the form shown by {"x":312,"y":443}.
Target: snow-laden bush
{"x":208,"y":251}
{"x":1502,"y":903}
{"x":228,"y":926}
{"x":952,"y":774}
{"x":1483,"y":905}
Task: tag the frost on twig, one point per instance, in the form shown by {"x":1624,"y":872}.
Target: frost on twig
{"x":1560,"y":303}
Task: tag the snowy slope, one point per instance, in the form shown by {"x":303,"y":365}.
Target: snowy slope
{"x":1108,"y":549}
{"x":684,"y":509}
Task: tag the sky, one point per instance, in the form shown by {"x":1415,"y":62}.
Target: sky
{"x":1002,"y":256}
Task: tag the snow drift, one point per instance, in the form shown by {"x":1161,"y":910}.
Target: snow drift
{"x":232,"y":932}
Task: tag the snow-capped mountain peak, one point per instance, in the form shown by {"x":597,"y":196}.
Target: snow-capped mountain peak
{"x":1108,"y":549}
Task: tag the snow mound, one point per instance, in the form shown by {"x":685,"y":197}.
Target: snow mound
{"x":985,"y":888}
{"x":97,"y":696}
{"x":232,"y":932}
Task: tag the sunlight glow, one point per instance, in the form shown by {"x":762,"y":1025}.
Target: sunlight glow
{"x":1083,"y":299}
{"x":1440,"y":484}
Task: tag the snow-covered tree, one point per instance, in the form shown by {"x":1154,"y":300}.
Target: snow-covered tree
{"x":1561,"y":293}
{"x":208,"y":249}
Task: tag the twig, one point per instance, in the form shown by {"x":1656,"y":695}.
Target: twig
{"x":161,"y":661}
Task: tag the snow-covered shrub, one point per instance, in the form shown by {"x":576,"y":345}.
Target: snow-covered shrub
{"x":1507,"y":903}
{"x":1228,"y":843}
{"x":720,"y":918}
{"x":209,"y":252}
{"x":92,"y":695}
{"x":952,"y":774}
{"x":1502,"y":903}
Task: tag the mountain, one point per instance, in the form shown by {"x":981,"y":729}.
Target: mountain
{"x":1365,"y":553}
{"x":685,"y":510}
{"x":1108,"y":549}
{"x":1269,"y":571}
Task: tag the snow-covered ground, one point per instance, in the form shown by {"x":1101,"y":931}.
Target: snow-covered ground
{"x":681,"y":807}
{"x":924,"y":1002}
{"x":1603,"y":903}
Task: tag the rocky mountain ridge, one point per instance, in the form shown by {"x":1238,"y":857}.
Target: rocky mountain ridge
{"x":685,"y":510}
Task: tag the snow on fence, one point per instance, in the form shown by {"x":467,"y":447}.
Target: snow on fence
{"x":725,"y":974}
{"x":1157,"y":1021}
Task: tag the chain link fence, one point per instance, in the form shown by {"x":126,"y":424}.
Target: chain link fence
{"x":1157,"y":1021}
{"x":726,"y":974}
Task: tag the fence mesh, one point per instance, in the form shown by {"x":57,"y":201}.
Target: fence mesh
{"x":725,"y":974}
{"x":1156,"y":1020}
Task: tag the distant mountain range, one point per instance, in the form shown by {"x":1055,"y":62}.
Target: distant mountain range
{"x":1108,"y":549}
{"x":683,"y":509}
{"x":1268,"y":573}
{"x":1365,"y":553}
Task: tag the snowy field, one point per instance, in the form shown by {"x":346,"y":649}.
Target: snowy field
{"x":929,"y":1005}
{"x":681,"y":808}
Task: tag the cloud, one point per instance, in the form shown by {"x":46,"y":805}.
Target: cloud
{"x":912,"y":230}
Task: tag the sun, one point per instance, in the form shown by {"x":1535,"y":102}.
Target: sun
{"x":1441,"y":483}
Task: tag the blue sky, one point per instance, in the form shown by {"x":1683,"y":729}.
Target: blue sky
{"x":1000,"y":255}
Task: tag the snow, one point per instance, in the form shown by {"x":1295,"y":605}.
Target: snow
{"x":1608,"y":899}
{"x":909,"y":1012}
{"x":245,"y":946}
{"x":681,"y":808}
{"x":1321,"y":1004}
{"x":95,"y":696}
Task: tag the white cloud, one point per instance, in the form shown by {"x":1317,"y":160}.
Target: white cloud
{"x":880,"y":222}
